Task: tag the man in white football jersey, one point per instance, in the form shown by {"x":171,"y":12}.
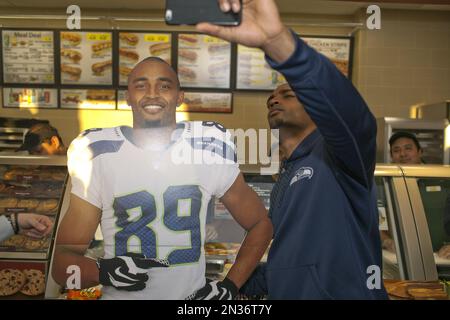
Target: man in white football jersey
{"x":149,"y":187}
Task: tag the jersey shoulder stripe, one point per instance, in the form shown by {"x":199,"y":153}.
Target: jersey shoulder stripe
{"x":215,"y":146}
{"x":97,"y":141}
{"x":210,"y":136}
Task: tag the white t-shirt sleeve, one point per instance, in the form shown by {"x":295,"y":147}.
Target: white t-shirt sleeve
{"x":225,"y":170}
{"x":84,"y":171}
{"x":6,"y":229}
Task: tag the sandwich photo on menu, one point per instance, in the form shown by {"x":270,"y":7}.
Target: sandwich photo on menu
{"x":124,"y":71}
{"x":71,"y":99}
{"x":73,"y":56}
{"x":100,"y":95}
{"x":101,"y":48}
{"x":189,"y":39}
{"x":71,"y":38}
{"x":129,"y":38}
{"x":73,"y":72}
{"x":187,"y":74}
{"x":130,"y":55}
{"x":187,"y":55}
{"x":100,"y":67}
{"x":159,"y":49}
{"x":218,"y":48}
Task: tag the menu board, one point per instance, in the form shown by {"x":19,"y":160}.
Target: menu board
{"x":86,"y":58}
{"x":206,"y":102}
{"x":253,"y":72}
{"x":88,"y":99}
{"x":28,"y":56}
{"x":134,"y":47}
{"x":30,"y":97}
{"x":337,"y":50}
{"x":203,"y":61}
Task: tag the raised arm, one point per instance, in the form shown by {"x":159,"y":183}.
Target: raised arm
{"x":330,"y":99}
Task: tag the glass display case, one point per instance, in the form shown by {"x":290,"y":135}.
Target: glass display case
{"x":30,"y":184}
{"x":413,"y":205}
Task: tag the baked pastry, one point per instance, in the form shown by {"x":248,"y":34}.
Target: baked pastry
{"x":11,"y":281}
{"x":29,"y":204}
{"x":16,"y":241}
{"x":35,"y":282}
{"x":8,"y":202}
{"x":32,"y":244}
{"x":48,"y":205}
{"x":415,"y":289}
{"x":61,"y":175}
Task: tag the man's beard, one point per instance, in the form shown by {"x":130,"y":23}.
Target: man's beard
{"x":153,"y":124}
{"x":277,"y":123}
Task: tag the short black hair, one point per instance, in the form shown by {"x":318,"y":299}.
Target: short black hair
{"x":404,"y":134}
{"x":37,"y":134}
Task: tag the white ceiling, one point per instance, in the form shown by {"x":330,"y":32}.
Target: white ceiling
{"x":286,"y":6}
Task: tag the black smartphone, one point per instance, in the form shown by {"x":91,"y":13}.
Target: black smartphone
{"x":190,"y":12}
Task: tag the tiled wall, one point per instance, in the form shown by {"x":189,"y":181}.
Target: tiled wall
{"x":405,"y":63}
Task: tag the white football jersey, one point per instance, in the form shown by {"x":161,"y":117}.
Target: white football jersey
{"x":155,"y":202}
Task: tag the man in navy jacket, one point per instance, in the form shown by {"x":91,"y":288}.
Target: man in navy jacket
{"x":323,"y":208}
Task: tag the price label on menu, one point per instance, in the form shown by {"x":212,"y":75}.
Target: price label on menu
{"x":47,"y":38}
{"x":156,"y":38}
{"x":98,"y":36}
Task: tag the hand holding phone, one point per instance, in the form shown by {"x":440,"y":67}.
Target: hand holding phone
{"x":192,"y":12}
{"x":261,"y":27}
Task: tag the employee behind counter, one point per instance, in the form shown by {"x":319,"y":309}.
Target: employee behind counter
{"x":43,"y":139}
{"x":406,"y":149}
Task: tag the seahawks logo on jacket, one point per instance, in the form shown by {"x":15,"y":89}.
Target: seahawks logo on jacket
{"x":302,"y":173}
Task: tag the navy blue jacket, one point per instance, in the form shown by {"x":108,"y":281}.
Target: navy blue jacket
{"x":323,"y":207}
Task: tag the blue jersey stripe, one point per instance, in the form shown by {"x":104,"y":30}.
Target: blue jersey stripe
{"x":104,"y":146}
{"x":215,"y":146}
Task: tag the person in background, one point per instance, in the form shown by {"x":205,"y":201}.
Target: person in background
{"x":29,"y":224}
{"x":323,"y":206}
{"x":43,"y":139}
{"x":405,"y":148}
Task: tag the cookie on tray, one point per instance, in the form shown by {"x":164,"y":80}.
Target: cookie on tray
{"x":35,"y":284}
{"x":11,"y":281}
